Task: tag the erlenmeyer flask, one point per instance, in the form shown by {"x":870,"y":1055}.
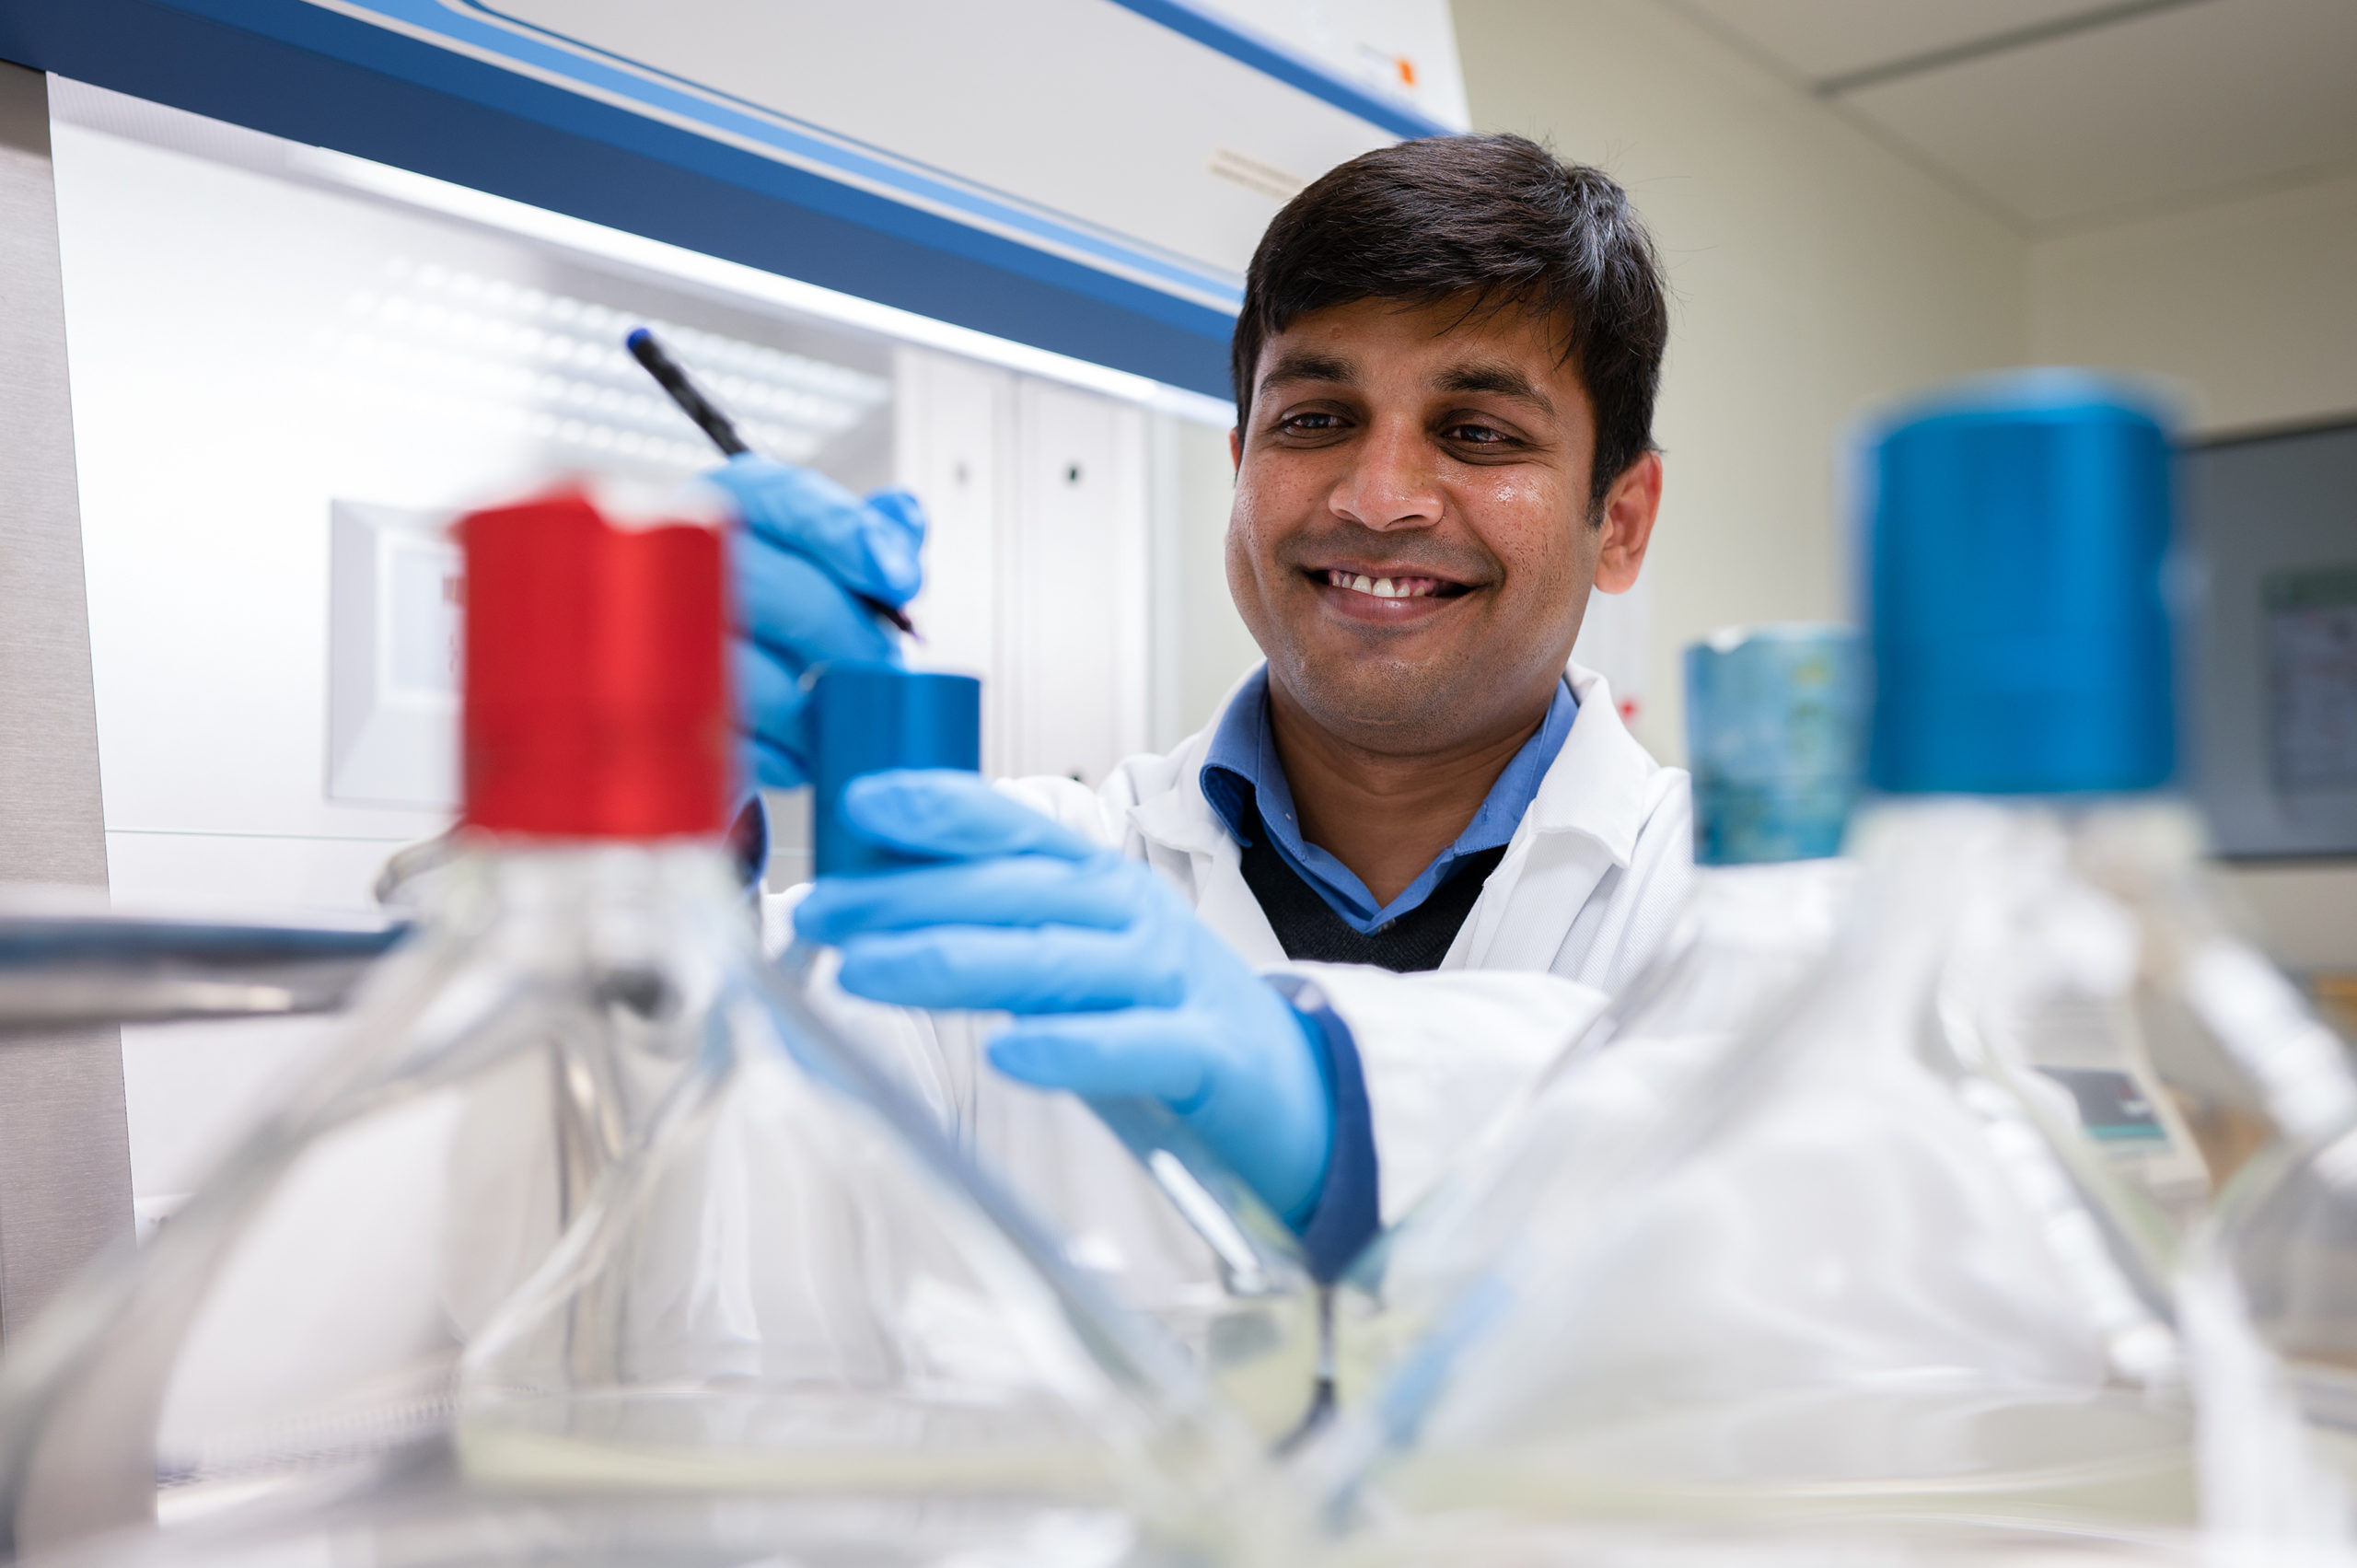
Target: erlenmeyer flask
{"x":2268,"y":1279}
{"x":799,"y":1284}
{"x":1871,"y":1266}
{"x":295,"y":1326}
{"x":1774,"y":722}
{"x":694,"y":1240}
{"x":1257,"y":1331}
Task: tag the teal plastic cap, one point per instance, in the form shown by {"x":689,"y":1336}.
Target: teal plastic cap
{"x":867,"y":718}
{"x":1776,"y":719}
{"x":2016,"y":539}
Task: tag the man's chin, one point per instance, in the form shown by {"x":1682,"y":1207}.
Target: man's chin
{"x":1383,"y":703}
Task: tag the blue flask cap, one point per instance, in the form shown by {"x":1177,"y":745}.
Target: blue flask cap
{"x":2016,"y":530}
{"x":1774,"y":730}
{"x":865,"y":719}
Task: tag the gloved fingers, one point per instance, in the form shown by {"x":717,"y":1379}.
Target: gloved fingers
{"x":866,"y":548}
{"x":769,"y":694}
{"x":1026,"y":890}
{"x":1052,"y":968}
{"x":943,"y":814}
{"x":769,"y":766}
{"x":789,"y":603}
{"x":1138,"y":1050}
{"x":899,"y":534}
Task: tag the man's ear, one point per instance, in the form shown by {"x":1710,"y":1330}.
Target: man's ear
{"x":1236,"y":447}
{"x":1629,"y":508}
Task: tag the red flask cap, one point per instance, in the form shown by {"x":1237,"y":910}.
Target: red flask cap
{"x":597,"y":690}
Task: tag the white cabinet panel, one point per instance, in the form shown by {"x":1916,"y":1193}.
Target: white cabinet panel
{"x":952,"y":449}
{"x":1078,"y":615}
{"x":1037,"y":570}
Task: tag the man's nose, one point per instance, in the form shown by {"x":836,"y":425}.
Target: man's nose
{"x":1392,"y":483}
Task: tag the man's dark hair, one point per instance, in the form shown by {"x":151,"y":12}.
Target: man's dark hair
{"x":1498,"y":222}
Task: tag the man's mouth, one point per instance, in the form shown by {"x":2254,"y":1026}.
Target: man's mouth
{"x":1393,"y":587}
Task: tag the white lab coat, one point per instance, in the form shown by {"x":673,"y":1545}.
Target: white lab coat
{"x":1590,"y":885}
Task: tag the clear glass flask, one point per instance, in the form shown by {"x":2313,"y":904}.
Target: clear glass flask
{"x":1258,"y":1330}
{"x":587,"y":1205}
{"x":1888,"y":1261}
{"x":1775,"y":722}
{"x":2267,"y":1281}
{"x":295,"y":1328}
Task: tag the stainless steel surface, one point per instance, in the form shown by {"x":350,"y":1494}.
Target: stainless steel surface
{"x":65,"y":1145}
{"x":63,"y":970}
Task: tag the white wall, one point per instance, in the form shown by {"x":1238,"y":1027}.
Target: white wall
{"x":2250,"y":307}
{"x":1814,"y":272}
{"x":1200,"y":643}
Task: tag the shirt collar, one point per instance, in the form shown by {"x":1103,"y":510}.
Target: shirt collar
{"x":1244,"y":782}
{"x":1242,"y":760}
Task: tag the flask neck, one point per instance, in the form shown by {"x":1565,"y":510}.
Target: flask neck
{"x":618,"y":896}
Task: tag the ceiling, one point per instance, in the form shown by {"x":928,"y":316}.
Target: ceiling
{"x":2065,"y":114}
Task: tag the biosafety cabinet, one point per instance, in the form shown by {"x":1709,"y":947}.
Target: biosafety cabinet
{"x":319,"y":274}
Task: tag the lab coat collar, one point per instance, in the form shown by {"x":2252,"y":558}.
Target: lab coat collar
{"x":1601,"y":783}
{"x":1180,"y":819}
{"x":1598,"y":784}
{"x":1581,"y":831}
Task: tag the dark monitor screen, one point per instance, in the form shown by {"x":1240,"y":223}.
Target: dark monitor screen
{"x":2271,"y":676}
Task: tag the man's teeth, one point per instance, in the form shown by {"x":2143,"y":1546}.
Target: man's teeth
{"x":1383,"y":588}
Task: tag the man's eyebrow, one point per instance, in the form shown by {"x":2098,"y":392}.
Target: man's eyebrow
{"x":1308,"y":365}
{"x":1496,"y":378}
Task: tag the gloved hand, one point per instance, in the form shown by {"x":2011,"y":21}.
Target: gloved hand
{"x":1118,"y":989}
{"x":806,"y":546}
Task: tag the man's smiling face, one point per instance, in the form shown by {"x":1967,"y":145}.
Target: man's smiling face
{"x":1411,"y":543}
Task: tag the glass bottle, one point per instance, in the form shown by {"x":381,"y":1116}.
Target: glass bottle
{"x":1774,"y":731}
{"x":587,"y":1203}
{"x":1258,"y":1335}
{"x":1881,"y":1262}
{"x":800,"y":1284}
{"x":2204,"y":1099}
{"x":295,"y":1326}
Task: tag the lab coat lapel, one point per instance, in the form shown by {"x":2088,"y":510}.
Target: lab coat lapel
{"x":1186,"y":841}
{"x":1584,"y":822}
{"x":1225,"y":904}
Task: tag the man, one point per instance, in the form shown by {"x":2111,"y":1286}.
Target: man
{"x":1336,"y":931}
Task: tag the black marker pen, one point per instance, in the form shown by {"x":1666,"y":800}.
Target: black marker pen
{"x":715,"y":425}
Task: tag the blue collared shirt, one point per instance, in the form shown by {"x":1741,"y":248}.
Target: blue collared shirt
{"x":1241,"y":771}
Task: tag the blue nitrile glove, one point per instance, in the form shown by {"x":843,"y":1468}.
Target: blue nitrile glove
{"x":1118,"y":989}
{"x":807,"y":547}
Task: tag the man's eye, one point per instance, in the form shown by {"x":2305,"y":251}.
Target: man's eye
{"x":1308,"y":423}
{"x":1477,"y":435}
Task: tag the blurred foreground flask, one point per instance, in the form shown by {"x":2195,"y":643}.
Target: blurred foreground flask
{"x":1775,"y":718}
{"x":297,"y":1322}
{"x":585,"y":1198}
{"x":2200,"y":1102}
{"x":1906,"y":1252}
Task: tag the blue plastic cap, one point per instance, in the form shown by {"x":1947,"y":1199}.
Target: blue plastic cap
{"x":1774,"y":730}
{"x":2016,"y":530}
{"x":865,"y":719}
